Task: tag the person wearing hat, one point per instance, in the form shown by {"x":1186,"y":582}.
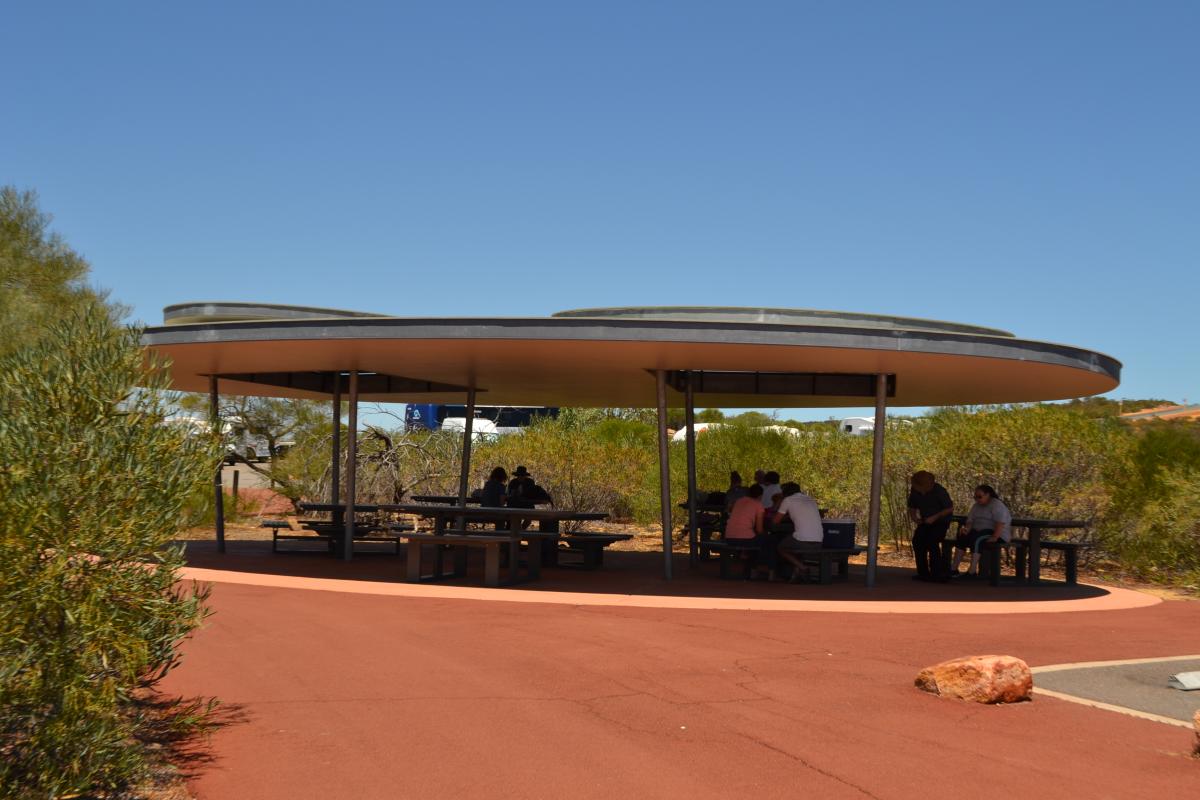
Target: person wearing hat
{"x":521,"y":489}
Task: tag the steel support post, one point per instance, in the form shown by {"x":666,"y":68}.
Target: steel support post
{"x":689,"y":412}
{"x":214,"y":417}
{"x":351,"y":467}
{"x":336,"y":489}
{"x":664,"y":470}
{"x":876,"y":477}
{"x":464,"y":475}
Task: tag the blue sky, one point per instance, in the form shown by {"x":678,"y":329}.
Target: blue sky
{"x":1029,"y":166}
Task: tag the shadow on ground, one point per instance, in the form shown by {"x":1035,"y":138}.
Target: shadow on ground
{"x":627,"y":573}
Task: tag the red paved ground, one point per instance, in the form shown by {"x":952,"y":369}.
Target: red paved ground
{"x":361,"y":696}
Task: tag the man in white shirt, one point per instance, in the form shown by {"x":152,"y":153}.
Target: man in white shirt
{"x":770,"y":484}
{"x":808,"y":532}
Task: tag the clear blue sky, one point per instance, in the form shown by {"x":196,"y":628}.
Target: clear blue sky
{"x":1029,"y":166}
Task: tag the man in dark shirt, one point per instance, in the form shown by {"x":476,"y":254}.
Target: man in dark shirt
{"x":930,"y":506}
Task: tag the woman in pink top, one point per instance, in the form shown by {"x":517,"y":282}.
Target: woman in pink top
{"x":746,"y":517}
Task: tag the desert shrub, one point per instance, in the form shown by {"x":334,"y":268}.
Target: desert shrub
{"x":581,"y":471}
{"x":1162,"y":542}
{"x":92,"y":490}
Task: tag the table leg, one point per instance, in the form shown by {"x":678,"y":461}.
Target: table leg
{"x":514,"y":559}
{"x":491,"y":564}
{"x":533,"y":559}
{"x":1035,"y":555}
{"x":414,"y":561}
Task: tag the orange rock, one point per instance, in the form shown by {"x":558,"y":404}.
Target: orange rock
{"x":1196,"y":725}
{"x":980,"y":679}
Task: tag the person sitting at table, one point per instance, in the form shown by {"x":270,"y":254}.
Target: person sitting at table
{"x":493,"y":494}
{"x":521,"y":489}
{"x":745,"y":521}
{"x":808,"y":532}
{"x":988,"y":522}
{"x":930,"y":507}
{"x":771,"y":489}
{"x":735,"y":491}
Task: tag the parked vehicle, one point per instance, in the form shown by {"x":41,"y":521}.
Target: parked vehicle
{"x":489,"y":420}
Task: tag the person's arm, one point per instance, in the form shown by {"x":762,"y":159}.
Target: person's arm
{"x":759,"y":515}
{"x":914,"y":513}
{"x":946,"y":510}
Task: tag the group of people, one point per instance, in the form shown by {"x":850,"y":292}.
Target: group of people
{"x":519,"y":492}
{"x":752,"y":512}
{"x":987,"y":526}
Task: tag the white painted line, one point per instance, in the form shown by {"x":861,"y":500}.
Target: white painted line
{"x":1090,"y":664}
{"x":1129,"y":712}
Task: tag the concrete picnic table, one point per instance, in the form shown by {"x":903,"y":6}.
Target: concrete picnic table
{"x":441,"y":513}
{"x":1035,"y":528}
{"x":539,"y":541}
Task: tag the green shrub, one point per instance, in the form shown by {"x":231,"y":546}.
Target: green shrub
{"x":92,"y":490}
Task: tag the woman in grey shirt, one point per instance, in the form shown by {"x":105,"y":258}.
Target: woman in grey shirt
{"x":988,"y":522}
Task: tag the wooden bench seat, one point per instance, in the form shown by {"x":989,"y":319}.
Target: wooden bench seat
{"x":293,"y":530}
{"x":588,"y":546}
{"x":827,"y":558}
{"x":731,"y":552}
{"x":1070,"y":551}
{"x":459,"y":542}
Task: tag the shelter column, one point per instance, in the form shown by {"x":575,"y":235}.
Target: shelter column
{"x":689,"y":411}
{"x":664,"y":471}
{"x":468,"y":432}
{"x":335,"y":490}
{"x":876,"y":477}
{"x":214,"y":417}
{"x":351,"y":467}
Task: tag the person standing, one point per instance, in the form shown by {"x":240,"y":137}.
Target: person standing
{"x":930,"y":507}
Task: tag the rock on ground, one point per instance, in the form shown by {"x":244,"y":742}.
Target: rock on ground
{"x":980,"y":679}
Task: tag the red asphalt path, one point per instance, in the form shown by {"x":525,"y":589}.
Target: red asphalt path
{"x":365,"y":696}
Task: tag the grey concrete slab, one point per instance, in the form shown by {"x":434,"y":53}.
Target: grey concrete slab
{"x":1142,"y":687}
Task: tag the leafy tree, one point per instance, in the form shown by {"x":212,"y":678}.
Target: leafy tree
{"x":91,"y":492}
{"x":41,"y":278}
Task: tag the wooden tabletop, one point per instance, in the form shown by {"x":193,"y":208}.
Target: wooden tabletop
{"x":1028,"y":522}
{"x":491,"y":512}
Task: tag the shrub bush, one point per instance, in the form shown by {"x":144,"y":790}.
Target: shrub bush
{"x":92,"y":490}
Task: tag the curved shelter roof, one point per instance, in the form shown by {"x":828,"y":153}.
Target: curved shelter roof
{"x":601,"y":357}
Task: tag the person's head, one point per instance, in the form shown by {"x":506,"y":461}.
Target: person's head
{"x":923,"y":481}
{"x":735,"y":479}
{"x":759,"y":476}
{"x":771,"y":478}
{"x":789,"y":489}
{"x":498,"y":474}
{"x":984,"y":494}
{"x":755,"y":492}
{"x":520,"y":472}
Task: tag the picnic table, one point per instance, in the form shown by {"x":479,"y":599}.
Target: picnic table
{"x":1036,"y":544}
{"x":542,"y":544}
{"x":442,"y":514}
{"x":440,"y":499}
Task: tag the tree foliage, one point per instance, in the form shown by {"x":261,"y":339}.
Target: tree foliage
{"x":92,"y":488}
{"x":41,"y":278}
